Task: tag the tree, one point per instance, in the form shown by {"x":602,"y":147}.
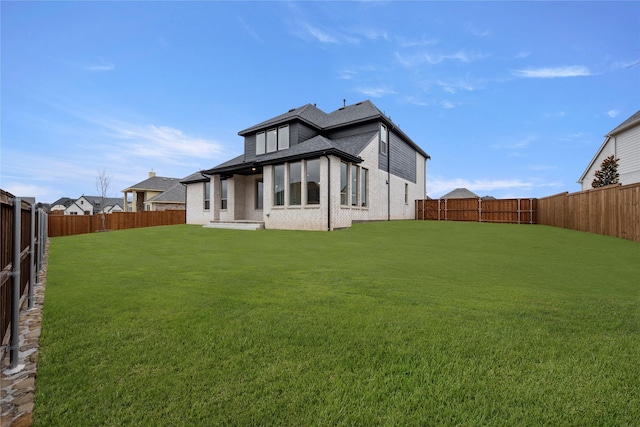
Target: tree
{"x":608,"y":173}
{"x":103,"y":181}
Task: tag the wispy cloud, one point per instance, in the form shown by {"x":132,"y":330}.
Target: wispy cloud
{"x":347,"y":74}
{"x":514,"y":145}
{"x":556,"y":115}
{"x":320,"y":35}
{"x":550,"y":73}
{"x":541,"y":167}
{"x":457,"y":86}
{"x":522,"y":55}
{"x":402,"y":42}
{"x":478,"y":32}
{"x":375,"y":92}
{"x":250,"y":30}
{"x":163,"y":142}
{"x":371,"y":33}
{"x":613,"y":113}
{"x":436,"y":58}
{"x":100,"y":67}
{"x":446,"y":104}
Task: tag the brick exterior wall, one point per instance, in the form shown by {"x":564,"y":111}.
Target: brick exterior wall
{"x":196,"y":214}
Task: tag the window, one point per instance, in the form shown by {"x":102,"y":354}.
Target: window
{"x":295,"y":183}
{"x":283,"y":137}
{"x":207,"y":195}
{"x":278,"y":185}
{"x":261,"y":146}
{"x":384,"y":139}
{"x":363,"y":186}
{"x":313,"y":182}
{"x":259,"y":193}
{"x":406,"y":193}
{"x":354,"y":185}
{"x":223,"y":194}
{"x":344,"y":184}
{"x":272,"y":140}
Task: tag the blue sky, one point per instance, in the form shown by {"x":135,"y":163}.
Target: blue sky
{"x":510,"y":99}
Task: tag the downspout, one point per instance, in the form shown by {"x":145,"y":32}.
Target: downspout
{"x":389,"y":172}
{"x":328,"y":191}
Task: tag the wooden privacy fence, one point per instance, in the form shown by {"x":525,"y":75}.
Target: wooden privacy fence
{"x":612,"y":211}
{"x":515,"y":211}
{"x":24,"y":236}
{"x":67,"y":225}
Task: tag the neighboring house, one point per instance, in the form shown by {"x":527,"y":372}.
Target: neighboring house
{"x":309,"y":170}
{"x":61,"y":204}
{"x":623,"y":143}
{"x":87,"y":205}
{"x":156,"y":193}
{"x":460,"y":193}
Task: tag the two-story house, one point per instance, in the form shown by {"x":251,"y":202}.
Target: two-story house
{"x":309,"y":170}
{"x":623,"y":143}
{"x":87,"y":205}
{"x":156,"y":193}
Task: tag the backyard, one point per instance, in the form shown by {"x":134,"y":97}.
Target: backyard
{"x":390,"y":323}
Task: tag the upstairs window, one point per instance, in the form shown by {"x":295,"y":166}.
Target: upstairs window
{"x":275,"y":139}
{"x":283,"y":137}
{"x":272,"y":140}
{"x":384,"y":140}
{"x":261,"y":143}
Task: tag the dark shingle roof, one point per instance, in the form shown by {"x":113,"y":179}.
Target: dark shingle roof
{"x":347,"y":148}
{"x":96,"y":201}
{"x":460,"y":193}
{"x":194,"y":177}
{"x":175,"y":194}
{"x":155,"y":183}
{"x":307,"y":113}
{"x":64,"y":201}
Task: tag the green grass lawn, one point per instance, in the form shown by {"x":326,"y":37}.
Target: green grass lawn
{"x":400,"y":323}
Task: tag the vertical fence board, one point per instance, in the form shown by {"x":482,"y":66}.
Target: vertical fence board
{"x":67,"y":225}
{"x":612,"y":211}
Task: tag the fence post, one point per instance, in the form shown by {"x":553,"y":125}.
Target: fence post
{"x":14,"y":340}
{"x":479,"y":209}
{"x":32,"y":247}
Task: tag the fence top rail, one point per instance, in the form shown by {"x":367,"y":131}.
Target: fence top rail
{"x":592,"y":190}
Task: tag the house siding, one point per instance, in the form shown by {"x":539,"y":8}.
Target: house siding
{"x":628,"y":151}
{"x":299,"y":132}
{"x":403,"y":158}
{"x":250,"y":147}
